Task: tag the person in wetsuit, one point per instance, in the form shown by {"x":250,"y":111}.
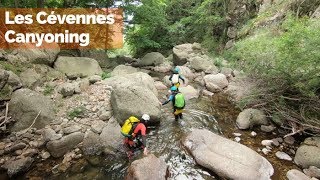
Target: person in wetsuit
{"x":178,"y":102}
{"x":138,"y":139}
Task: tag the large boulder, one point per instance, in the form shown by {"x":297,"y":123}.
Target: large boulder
{"x":9,"y":82}
{"x":251,"y":117}
{"x":227,"y":158}
{"x":216,"y":82}
{"x":181,"y":53}
{"x":46,"y":55}
{"x":132,"y":100}
{"x":92,"y":144}
{"x":165,"y":67}
{"x":240,"y":87}
{"x":149,"y":167}
{"x":111,"y":138}
{"x":189,"y":92}
{"x":186,"y":72}
{"x":122,"y":70}
{"x":30,"y":78}
{"x":75,"y":67}
{"x":137,"y":79}
{"x":4,"y":75}
{"x":24,"y":107}
{"x":308,"y":154}
{"x":18,"y":166}
{"x":14,"y":81}
{"x":58,"y":148}
{"x":203,"y":63}
{"x":99,"y":55}
{"x":152,"y":59}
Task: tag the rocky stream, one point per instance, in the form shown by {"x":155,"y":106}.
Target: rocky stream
{"x":69,"y":127}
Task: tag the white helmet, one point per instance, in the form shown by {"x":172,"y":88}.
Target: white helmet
{"x":146,"y":117}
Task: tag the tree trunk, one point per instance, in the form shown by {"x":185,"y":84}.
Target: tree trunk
{"x":40,"y":3}
{"x":16,"y":3}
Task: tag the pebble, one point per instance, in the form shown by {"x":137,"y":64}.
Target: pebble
{"x":237,"y":134}
{"x":312,"y":171}
{"x":292,"y":151}
{"x":283,"y":155}
{"x":267,"y":129}
{"x":253,"y":134}
{"x":265,"y":151}
{"x":2,"y":145}
{"x":18,"y":152}
{"x":289,"y":140}
{"x":279,"y":139}
{"x":266,"y":142}
{"x":237,"y":139}
{"x":45,"y":155}
{"x":275,"y":142}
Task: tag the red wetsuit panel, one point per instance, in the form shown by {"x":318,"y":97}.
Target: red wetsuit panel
{"x":140,"y":127}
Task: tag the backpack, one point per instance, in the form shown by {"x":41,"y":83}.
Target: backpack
{"x":129,"y":125}
{"x":179,"y":101}
{"x":175,"y":78}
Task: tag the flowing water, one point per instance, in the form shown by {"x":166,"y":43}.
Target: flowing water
{"x":164,"y":141}
{"x":216,"y":114}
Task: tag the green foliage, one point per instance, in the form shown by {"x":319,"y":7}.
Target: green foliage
{"x":218,"y":62}
{"x":77,"y":112}
{"x":126,"y":50}
{"x":48,"y":90}
{"x":17,"y":69}
{"x":150,"y":33}
{"x":290,"y":54}
{"x":286,"y":59}
{"x":105,"y":75}
{"x":160,"y":24}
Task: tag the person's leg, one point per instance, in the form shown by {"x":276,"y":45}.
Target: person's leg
{"x":180,"y":116}
{"x":176,"y":116}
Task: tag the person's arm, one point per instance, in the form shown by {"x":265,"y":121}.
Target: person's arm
{"x":167,"y":101}
{"x":182,"y":79}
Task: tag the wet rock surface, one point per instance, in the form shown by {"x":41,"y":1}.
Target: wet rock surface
{"x":149,"y":167}
{"x":226,"y":158}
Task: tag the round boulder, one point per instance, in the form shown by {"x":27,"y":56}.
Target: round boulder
{"x":122,"y":70}
{"x":216,"y":82}
{"x":226,"y":158}
{"x":75,"y":67}
{"x":251,"y":117}
{"x":152,"y":59}
{"x":181,"y":53}
{"x":149,"y":167}
{"x":308,"y":154}
{"x":24,"y":107}
{"x":132,"y":100}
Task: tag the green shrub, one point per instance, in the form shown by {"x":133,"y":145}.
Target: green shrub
{"x":105,"y":75}
{"x":77,"y":112}
{"x":48,"y":90}
{"x":286,"y":60}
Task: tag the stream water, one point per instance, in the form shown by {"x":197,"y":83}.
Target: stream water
{"x":164,"y":141}
{"x":216,"y":114}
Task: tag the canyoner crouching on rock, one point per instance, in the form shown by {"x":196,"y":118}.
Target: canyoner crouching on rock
{"x":178,"y":102}
{"x":134,"y":131}
{"x":175,"y":77}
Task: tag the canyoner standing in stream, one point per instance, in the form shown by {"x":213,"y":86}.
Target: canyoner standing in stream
{"x":178,"y":102}
{"x":134,"y":131}
{"x":175,"y":78}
